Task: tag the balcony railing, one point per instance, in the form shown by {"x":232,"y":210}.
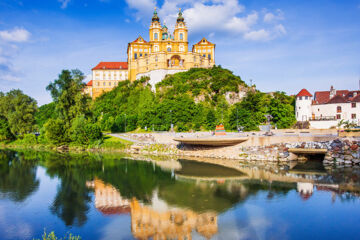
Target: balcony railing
{"x":324,"y":118}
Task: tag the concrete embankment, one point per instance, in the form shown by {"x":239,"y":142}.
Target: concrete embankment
{"x":257,"y":147}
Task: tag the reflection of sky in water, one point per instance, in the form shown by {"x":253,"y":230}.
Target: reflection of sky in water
{"x":258,"y":214}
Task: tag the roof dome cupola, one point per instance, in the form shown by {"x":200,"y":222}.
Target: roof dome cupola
{"x":155,"y":17}
{"x":180,"y":17}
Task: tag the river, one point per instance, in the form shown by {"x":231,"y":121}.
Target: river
{"x":109,"y":196}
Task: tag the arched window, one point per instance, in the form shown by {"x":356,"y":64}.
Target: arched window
{"x":156,"y":48}
{"x":156,"y":36}
{"x":181,"y":36}
{"x":169,"y":49}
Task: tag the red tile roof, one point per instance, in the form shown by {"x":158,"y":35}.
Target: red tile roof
{"x":356,"y":99}
{"x":304,"y":93}
{"x":89,"y":83}
{"x":337,"y":99}
{"x":111,"y":65}
{"x":341,"y":96}
{"x":114,"y":210}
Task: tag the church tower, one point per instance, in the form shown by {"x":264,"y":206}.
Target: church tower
{"x":181,"y":33}
{"x":155,"y":28}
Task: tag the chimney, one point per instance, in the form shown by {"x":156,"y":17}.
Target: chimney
{"x":332,"y":92}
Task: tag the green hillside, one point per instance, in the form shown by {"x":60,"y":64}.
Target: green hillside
{"x":197,"y":99}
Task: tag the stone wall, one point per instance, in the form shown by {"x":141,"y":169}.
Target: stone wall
{"x":343,"y":152}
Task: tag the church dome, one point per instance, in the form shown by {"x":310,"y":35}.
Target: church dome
{"x":155,"y":17}
{"x":180,"y":17}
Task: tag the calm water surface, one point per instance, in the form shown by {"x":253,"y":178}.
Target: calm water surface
{"x":111,"y":197}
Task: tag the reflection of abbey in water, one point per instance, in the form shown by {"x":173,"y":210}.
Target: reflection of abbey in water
{"x":158,"y":220}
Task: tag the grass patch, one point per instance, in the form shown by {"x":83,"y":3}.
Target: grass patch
{"x":111,"y":142}
{"x":52,"y":236}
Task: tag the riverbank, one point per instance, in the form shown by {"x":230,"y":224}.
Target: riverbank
{"x":109,"y":144}
{"x":339,"y":151}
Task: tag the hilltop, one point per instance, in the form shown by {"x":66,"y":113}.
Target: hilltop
{"x":197,"y":99}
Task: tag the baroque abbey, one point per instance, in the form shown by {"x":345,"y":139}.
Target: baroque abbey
{"x":163,"y":54}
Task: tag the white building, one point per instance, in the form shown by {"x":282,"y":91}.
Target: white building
{"x":327,"y":108}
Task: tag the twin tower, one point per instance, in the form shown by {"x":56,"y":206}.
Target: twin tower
{"x":167,"y":53}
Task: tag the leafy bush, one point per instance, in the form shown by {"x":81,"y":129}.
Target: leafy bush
{"x":29,"y":139}
{"x":84,"y":132}
{"x":55,"y":132}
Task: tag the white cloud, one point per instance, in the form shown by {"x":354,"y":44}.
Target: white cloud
{"x":271,"y":17}
{"x":144,"y":8}
{"x":265,"y":35}
{"x":220,"y":17}
{"x":280,"y":29}
{"x":259,"y":35}
{"x":9,"y":49}
{"x":9,"y":78}
{"x":64,"y":3}
{"x":15,"y":35}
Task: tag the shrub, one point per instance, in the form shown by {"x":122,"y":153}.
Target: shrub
{"x":29,"y":139}
{"x":83,"y":132}
{"x":55,"y":132}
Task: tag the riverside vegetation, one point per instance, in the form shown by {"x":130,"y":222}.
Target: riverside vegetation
{"x":197,"y":99}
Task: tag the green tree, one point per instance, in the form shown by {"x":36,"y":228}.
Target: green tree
{"x":45,"y":112}
{"x":5,"y":132}
{"x":66,"y":92}
{"x":19,"y":109}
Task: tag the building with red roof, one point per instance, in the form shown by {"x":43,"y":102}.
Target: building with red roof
{"x":106,"y":76}
{"x":304,"y":93}
{"x":327,"y":108}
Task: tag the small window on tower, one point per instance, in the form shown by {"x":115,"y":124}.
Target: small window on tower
{"x":156,"y":36}
{"x":181,"y":36}
{"x":169,"y":49}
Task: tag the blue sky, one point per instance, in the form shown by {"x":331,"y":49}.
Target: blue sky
{"x":280,"y":45}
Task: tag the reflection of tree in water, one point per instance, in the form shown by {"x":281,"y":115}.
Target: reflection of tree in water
{"x":212,"y":196}
{"x":72,"y":200}
{"x":17,"y":177}
{"x":71,"y":203}
{"x":135,"y":178}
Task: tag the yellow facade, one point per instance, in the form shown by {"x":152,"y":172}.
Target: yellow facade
{"x":168,"y":51}
{"x":163,"y":51}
